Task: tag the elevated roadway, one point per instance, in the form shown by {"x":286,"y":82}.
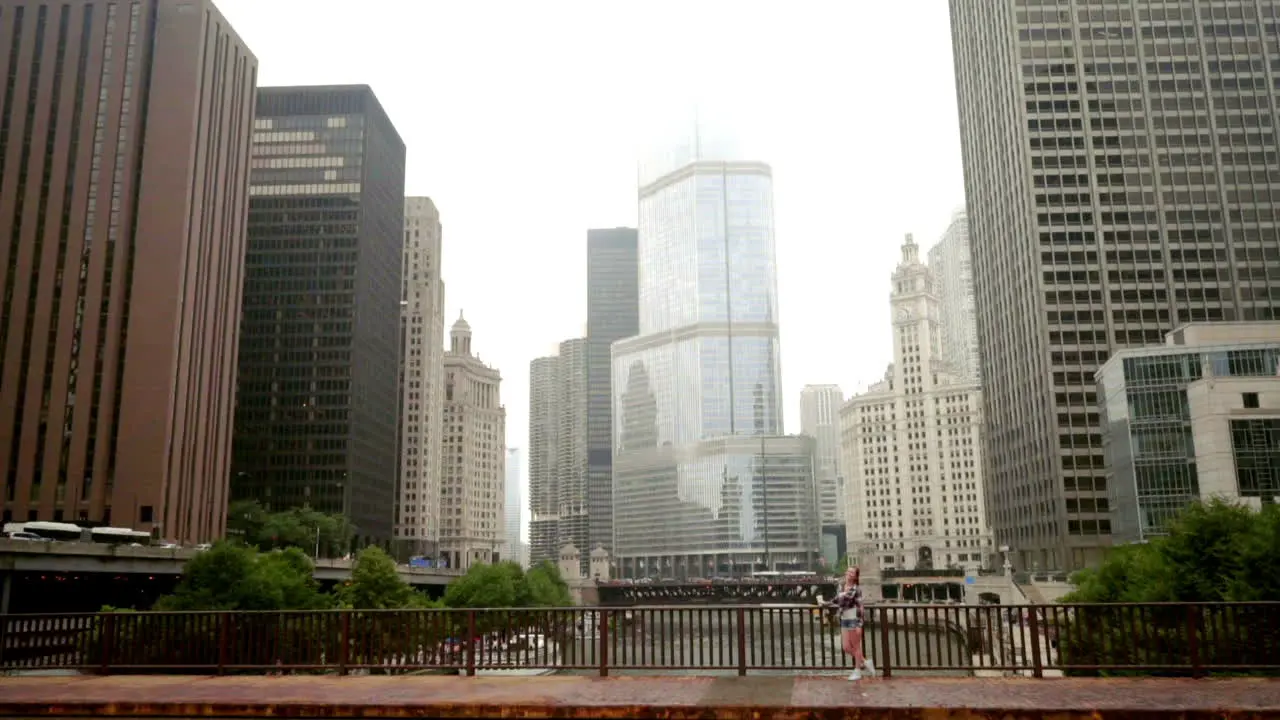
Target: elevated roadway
{"x":79,"y":558}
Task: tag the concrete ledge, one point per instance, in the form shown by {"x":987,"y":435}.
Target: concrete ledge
{"x":669,"y":698}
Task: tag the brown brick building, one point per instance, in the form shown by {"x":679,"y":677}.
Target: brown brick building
{"x":124,"y":148}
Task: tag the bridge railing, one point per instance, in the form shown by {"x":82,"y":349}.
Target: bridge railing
{"x":1030,"y":640}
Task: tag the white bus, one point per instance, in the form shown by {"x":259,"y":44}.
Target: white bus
{"x":46,"y":530}
{"x":120,"y":536}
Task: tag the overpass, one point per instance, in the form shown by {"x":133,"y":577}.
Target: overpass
{"x":80,"y":558}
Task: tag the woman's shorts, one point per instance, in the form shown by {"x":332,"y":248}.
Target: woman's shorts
{"x":850,"y":623}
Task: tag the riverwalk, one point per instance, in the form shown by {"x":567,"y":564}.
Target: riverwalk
{"x":683,"y":698}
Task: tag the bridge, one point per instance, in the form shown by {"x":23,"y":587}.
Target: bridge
{"x":738,"y":592}
{"x":689,"y":698}
{"x":19,"y":557}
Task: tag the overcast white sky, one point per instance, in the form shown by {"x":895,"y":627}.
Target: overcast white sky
{"x":523,"y":119}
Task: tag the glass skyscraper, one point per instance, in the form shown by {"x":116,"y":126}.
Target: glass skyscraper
{"x":705,"y":367}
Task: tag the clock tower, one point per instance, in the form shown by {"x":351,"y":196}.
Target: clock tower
{"x":912,"y":450}
{"x":916,"y":332}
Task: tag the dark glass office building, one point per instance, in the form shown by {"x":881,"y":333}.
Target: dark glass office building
{"x":316,"y":421}
{"x":613,"y":313}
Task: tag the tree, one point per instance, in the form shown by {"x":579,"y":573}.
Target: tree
{"x":486,"y":586}
{"x":1213,"y":552}
{"x":376,"y":585}
{"x":245,"y":520}
{"x":236,"y":577}
{"x":506,"y":585}
{"x":546,"y":586}
{"x":302,"y":527}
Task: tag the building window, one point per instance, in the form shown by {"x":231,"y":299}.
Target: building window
{"x":145,"y":514}
{"x":1250,"y":400}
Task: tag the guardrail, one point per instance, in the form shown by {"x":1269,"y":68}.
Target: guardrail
{"x":1031,"y":640}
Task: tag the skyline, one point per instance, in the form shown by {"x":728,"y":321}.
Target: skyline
{"x":581,"y":132}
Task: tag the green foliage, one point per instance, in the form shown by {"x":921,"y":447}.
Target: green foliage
{"x":546,"y":586}
{"x":484,"y":586}
{"x":506,"y":585}
{"x":298,"y":527}
{"x":1214,"y":552}
{"x":231,"y":576}
{"x":376,"y":585}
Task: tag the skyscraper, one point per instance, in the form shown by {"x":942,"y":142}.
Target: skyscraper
{"x":421,"y":378}
{"x":820,"y":420}
{"x":512,"y":510}
{"x":558,"y":452}
{"x":911,"y":444}
{"x":124,"y":149}
{"x":952,"y":273}
{"x":474,"y":451}
{"x":1118,"y":160}
{"x":703,"y":368}
{"x":612,"y":314}
{"x":318,"y":401}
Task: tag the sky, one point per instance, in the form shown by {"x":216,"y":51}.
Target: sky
{"x":524,"y":122}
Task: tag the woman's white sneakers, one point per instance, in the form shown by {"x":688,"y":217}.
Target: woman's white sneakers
{"x":867,"y":666}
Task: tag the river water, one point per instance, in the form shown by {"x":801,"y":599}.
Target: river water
{"x":782,"y":641}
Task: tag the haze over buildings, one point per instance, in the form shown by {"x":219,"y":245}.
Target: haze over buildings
{"x":514,"y":546}
{"x":820,"y":420}
{"x":702,"y":375}
{"x":952,"y":269}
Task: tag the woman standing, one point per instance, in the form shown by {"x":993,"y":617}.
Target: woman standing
{"x":849,"y":600}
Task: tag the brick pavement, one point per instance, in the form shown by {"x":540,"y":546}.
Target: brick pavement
{"x":670,"y":698}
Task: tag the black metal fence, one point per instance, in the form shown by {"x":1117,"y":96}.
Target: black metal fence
{"x":1173,"y":639}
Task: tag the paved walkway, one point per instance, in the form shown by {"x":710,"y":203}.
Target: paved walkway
{"x":607,"y":698}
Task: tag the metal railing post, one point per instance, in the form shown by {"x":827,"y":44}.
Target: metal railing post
{"x":742,"y":641}
{"x":224,"y":640}
{"x":886,"y":664}
{"x":108,"y":631}
{"x":1033,"y":626}
{"x":471,"y":643}
{"x":344,"y":640}
{"x":1193,"y":640}
{"x":602,"y":627}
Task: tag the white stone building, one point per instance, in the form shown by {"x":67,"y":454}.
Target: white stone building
{"x":474,"y":455}
{"x":949,"y":260}
{"x":421,"y":379}
{"x":911,"y":445}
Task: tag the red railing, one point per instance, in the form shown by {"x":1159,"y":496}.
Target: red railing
{"x":1178,"y":639}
